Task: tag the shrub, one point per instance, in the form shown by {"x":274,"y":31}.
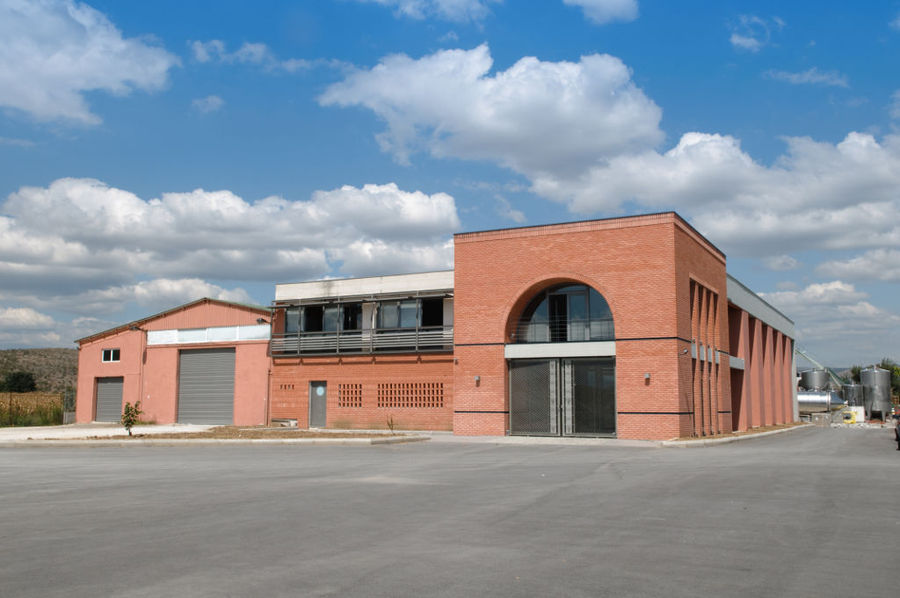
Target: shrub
{"x":131,"y":415}
{"x":18,"y":382}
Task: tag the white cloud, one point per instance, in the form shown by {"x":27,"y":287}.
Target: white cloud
{"x":877,"y":264}
{"x":153,"y":295}
{"x":208,"y":104}
{"x":781,"y":263}
{"x":16,"y":142}
{"x":894,"y":109}
{"x":450,"y":10}
{"x":895,"y":24}
{"x":86,"y":237}
{"x":23,"y":318}
{"x":606,"y":11}
{"x":535,"y":117}
{"x":255,"y":54}
{"x":54,"y":51}
{"x":816,"y":196}
{"x":812,"y":76}
{"x":751,"y":33}
{"x":835,"y":315}
{"x":506,"y":211}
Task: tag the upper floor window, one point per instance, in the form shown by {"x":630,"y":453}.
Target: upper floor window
{"x":567,"y":313}
{"x":323,"y":318}
{"x":110,"y":355}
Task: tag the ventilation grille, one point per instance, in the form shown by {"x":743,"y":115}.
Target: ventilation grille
{"x":350,"y":395}
{"x":415,"y":395}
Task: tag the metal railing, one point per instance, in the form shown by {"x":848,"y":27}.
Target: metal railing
{"x":392,"y":340}
{"x":561,"y":330}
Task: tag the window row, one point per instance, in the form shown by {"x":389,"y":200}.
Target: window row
{"x":385,"y":315}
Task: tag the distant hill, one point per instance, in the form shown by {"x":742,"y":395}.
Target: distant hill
{"x":54,"y":370}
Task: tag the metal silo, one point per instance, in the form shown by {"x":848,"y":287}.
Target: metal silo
{"x":876,"y":384}
{"x":852,"y":393}
{"x":814,"y":379}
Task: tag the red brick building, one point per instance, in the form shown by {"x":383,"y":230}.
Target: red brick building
{"x":626,"y":327}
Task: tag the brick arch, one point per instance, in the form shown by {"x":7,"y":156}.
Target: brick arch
{"x":514,"y":307}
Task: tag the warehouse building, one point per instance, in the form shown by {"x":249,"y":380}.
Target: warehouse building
{"x":203,"y":362}
{"x":626,"y":327}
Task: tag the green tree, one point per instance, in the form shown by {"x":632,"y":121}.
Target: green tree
{"x":892,"y":366}
{"x":18,"y":382}
{"x":854,"y":373}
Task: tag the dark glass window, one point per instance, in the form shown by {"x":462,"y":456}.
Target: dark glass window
{"x":352,"y":318}
{"x":567,"y":313}
{"x":313,"y":316}
{"x":433,"y":312}
{"x":292,"y":320}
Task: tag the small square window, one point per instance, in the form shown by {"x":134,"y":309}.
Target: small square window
{"x":110,"y":355}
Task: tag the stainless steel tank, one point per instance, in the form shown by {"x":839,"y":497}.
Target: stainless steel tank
{"x":876,"y":384}
{"x":818,"y":401}
{"x":814,"y":379}
{"x":852,"y":394}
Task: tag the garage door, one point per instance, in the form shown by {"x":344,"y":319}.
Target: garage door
{"x":206,"y":386}
{"x":109,"y":399}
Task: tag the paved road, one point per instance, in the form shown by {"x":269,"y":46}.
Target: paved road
{"x":814,"y":512}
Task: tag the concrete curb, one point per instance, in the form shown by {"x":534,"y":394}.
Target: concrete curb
{"x":94,"y":443}
{"x":727,"y":439}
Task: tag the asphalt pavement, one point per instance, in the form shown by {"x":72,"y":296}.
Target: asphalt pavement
{"x":813,"y":512}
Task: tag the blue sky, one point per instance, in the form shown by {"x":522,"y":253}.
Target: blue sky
{"x":156,"y":152}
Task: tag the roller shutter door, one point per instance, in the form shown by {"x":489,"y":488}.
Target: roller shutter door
{"x":109,"y":399}
{"x":206,"y":386}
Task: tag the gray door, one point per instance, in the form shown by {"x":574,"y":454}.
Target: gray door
{"x":568,"y":397}
{"x":109,"y":399}
{"x":318,"y":396}
{"x":206,"y":386}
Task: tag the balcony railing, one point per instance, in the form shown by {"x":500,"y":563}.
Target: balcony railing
{"x":562,"y":330}
{"x":393,"y":340}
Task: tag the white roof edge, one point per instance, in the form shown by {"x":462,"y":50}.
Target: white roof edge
{"x":441,"y":280}
{"x":740,"y":295}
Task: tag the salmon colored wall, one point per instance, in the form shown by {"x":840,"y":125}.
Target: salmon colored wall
{"x":151,"y":373}
{"x":290,"y":380}
{"x":206,"y":315}
{"x":90,"y":367}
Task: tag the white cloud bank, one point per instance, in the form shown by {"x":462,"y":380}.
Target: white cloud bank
{"x":835,"y":314}
{"x":535,"y":117}
{"x":54,"y":51}
{"x":81,"y":246}
{"x":585,"y":135}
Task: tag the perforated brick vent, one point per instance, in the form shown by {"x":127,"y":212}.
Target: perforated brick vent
{"x":350,"y":395}
{"x":414,"y":395}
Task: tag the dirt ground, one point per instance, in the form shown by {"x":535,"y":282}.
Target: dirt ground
{"x":226,"y":432}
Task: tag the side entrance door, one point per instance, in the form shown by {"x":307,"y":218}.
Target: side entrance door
{"x":318,"y":396}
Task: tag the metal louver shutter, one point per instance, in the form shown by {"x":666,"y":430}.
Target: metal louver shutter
{"x":206,"y":386}
{"x":533,"y":400}
{"x":109,"y":399}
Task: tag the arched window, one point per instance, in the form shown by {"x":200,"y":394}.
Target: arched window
{"x":566,"y":313}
